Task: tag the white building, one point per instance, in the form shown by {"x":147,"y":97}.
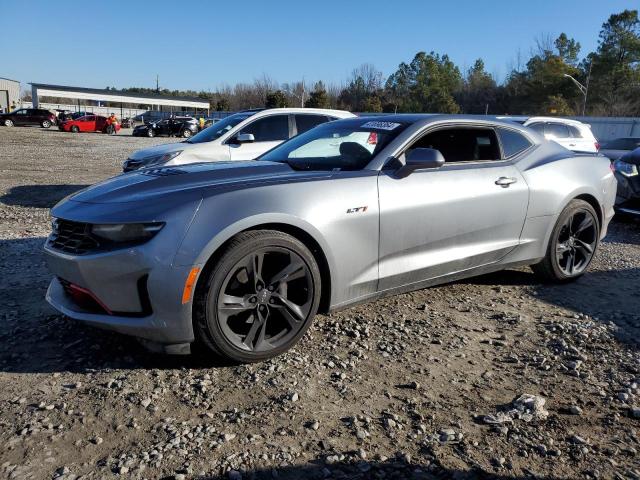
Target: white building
{"x":9,"y":93}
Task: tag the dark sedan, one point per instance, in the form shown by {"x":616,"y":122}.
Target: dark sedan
{"x":172,"y":127}
{"x":627,"y":168}
{"x":618,"y":147}
{"x":28,"y":116}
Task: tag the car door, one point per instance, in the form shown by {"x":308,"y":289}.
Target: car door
{"x":101,"y":123}
{"x":468,"y":213}
{"x":20,"y":116}
{"x":88,"y":123}
{"x":268,"y":132}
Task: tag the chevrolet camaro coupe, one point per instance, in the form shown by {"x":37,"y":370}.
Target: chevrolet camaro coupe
{"x":240,"y":256}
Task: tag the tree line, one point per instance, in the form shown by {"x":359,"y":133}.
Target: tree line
{"x":551,"y":80}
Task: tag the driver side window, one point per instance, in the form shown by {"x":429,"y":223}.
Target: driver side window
{"x":269,"y":129}
{"x":464,"y":144}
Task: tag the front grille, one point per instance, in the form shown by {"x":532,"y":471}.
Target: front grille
{"x":72,"y":237}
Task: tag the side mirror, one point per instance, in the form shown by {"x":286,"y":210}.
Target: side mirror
{"x":421,"y":159}
{"x":244,"y":138}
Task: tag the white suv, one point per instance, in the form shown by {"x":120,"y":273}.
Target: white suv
{"x":241,"y":136}
{"x":571,"y":134}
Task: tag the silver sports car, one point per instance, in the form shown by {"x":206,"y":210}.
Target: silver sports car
{"x":240,"y":256}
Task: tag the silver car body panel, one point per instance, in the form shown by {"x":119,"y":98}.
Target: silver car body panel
{"x":375,"y":233}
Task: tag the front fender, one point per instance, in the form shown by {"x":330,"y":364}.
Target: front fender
{"x":198,"y":246}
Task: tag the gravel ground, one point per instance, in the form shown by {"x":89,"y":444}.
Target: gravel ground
{"x":493,"y":377}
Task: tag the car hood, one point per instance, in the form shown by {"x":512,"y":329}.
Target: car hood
{"x":190,"y":181}
{"x":632,"y":157}
{"x":159,"y":149}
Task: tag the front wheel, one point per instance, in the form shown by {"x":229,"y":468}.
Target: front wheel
{"x":46,"y":124}
{"x":260,"y":297}
{"x":75,"y":129}
{"x":186,"y":133}
{"x":8,"y":123}
{"x":149,"y":133}
{"x":572,"y":245}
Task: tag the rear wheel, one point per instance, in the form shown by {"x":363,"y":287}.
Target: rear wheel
{"x":8,"y":123}
{"x":572,"y":245}
{"x":186,"y":133}
{"x":46,"y":124}
{"x":260,"y":297}
{"x":75,"y":129}
{"x":149,"y":133}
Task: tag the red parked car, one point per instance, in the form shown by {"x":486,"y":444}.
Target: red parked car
{"x":88,"y":123}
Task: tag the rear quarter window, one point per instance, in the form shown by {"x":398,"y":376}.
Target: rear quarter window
{"x":307,"y":122}
{"x":512,"y":142}
{"x":557,"y":130}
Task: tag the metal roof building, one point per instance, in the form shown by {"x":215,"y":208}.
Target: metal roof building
{"x":9,"y":93}
{"x":81,"y":93}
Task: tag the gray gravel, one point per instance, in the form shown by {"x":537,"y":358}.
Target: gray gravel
{"x":494,"y":377}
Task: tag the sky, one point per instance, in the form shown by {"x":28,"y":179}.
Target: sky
{"x":202,"y":45}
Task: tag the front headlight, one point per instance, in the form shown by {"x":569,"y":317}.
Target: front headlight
{"x":626,"y":169}
{"x":160,"y":159}
{"x":126,"y":232}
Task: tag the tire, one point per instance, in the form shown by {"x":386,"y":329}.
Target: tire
{"x":572,"y":245}
{"x":46,"y":124}
{"x":269,"y":315}
{"x":150,"y":133}
{"x":186,"y":133}
{"x":8,"y":123}
{"x":74,"y":129}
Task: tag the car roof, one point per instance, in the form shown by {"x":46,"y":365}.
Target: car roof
{"x":567,"y":121}
{"x":299,"y":110}
{"x":426,"y":118}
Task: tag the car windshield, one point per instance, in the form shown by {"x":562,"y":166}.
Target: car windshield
{"x":219,"y":128}
{"x":332,"y":146}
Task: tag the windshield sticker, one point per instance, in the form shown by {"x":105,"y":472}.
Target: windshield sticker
{"x":381,"y":125}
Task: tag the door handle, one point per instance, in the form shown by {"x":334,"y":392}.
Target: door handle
{"x":504,"y":182}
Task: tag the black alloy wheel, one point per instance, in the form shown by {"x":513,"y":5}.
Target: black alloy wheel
{"x":260,"y":298}
{"x":572,"y":245}
{"x":576,"y":242}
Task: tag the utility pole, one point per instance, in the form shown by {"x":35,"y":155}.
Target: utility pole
{"x":584,"y":89}
{"x":157,"y":83}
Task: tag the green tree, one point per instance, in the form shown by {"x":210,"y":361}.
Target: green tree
{"x":529,"y":91}
{"x":276,"y":99}
{"x":365,"y":83}
{"x":615,"y":66}
{"x":568,"y":49}
{"x":479,"y":91}
{"x":222,"y":105}
{"x":427,"y":84}
{"x":372,"y":104}
{"x":557,"y":105}
{"x":318,"y":97}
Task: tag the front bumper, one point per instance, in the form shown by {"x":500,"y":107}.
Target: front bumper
{"x":140,"y":296}
{"x":628,"y":195}
{"x":139,"y":286}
